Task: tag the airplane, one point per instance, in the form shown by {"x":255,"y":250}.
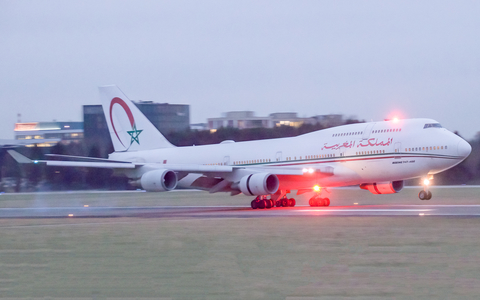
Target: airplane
{"x":376,"y":156}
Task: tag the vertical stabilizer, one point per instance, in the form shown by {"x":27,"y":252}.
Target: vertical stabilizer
{"x":129,"y":129}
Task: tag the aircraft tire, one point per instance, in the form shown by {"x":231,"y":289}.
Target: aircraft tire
{"x":422,"y":195}
{"x":285,"y":202}
{"x":272,"y":203}
{"x":292,"y":202}
{"x":326,"y":202}
{"x":268,"y":204}
{"x":254,"y":204}
{"x":429,"y":195}
{"x":261,"y":204}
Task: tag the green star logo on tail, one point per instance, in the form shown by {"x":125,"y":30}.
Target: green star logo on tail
{"x":134,"y":134}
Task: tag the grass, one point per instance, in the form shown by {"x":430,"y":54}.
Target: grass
{"x":254,"y":258}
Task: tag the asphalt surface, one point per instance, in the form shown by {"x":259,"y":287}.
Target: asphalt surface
{"x":240,"y":211}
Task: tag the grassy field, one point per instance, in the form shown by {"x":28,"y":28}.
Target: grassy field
{"x":252,"y":258}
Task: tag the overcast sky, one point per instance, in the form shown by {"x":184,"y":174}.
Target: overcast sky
{"x":364,"y":58}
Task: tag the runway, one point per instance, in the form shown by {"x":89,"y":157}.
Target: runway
{"x":239,"y":211}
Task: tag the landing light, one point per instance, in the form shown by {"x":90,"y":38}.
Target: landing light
{"x":310,"y":170}
{"x":426,"y":182}
{"x":395,"y":120}
{"x":317,"y":188}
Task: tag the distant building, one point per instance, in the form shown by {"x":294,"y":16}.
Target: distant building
{"x":328,"y":120}
{"x":286,"y":119}
{"x":247,"y":119}
{"x":63,"y":132}
{"x":199,"y":126}
{"x":238,"y":119}
{"x":165,"y":117}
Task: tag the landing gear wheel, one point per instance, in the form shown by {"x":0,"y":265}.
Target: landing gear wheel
{"x":272,"y":203}
{"x":268,"y":203}
{"x":311,"y":202}
{"x":285,"y":202}
{"x":292,"y":202}
{"x":254,"y":204}
{"x":278,"y":203}
{"x":422,"y":195}
{"x":261,"y":204}
{"x":429,"y":195}
{"x":326,"y":202}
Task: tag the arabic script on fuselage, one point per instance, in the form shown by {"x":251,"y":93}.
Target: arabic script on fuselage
{"x":339,"y":146}
{"x":373,"y":142}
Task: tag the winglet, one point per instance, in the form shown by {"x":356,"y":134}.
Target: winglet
{"x":19,"y":157}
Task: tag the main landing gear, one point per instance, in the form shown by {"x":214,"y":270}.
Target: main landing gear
{"x":425,"y":194}
{"x":317,"y":201}
{"x":262,"y":202}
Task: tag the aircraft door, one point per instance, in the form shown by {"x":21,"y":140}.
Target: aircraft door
{"x":367,"y":131}
{"x":226,"y":161}
{"x":398,"y":147}
{"x":278,"y":156}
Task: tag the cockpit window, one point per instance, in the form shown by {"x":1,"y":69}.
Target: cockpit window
{"x":432,"y":125}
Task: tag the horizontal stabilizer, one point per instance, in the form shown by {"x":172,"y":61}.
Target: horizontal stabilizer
{"x":103,"y":163}
{"x":19,"y":157}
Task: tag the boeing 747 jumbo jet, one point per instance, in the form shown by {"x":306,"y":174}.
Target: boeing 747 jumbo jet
{"x":376,"y":156}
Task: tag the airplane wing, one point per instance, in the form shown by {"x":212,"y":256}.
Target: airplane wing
{"x":92,"y":162}
{"x":214,"y":178}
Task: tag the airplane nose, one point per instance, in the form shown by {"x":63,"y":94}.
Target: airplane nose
{"x":464,"y":148}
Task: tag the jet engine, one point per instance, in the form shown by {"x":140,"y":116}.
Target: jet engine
{"x":259,"y":184}
{"x":159,"y":180}
{"x":383,"y":187}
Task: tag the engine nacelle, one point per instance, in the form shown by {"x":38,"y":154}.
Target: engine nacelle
{"x":259,"y":184}
{"x":159,"y":180}
{"x":383,"y":187}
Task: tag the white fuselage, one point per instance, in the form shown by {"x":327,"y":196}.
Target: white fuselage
{"x":358,"y":153}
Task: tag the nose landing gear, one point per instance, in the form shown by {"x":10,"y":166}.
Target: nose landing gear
{"x":425,"y":194}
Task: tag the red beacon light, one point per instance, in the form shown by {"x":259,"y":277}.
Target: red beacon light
{"x":394,"y":119}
